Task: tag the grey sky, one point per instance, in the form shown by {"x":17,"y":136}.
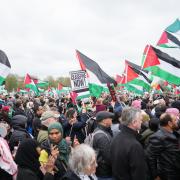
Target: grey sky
{"x":40,"y":36}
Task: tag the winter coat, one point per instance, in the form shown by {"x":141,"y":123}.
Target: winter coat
{"x":36,"y":126}
{"x":19,"y":134}
{"x":101,"y":144}
{"x":163,"y":153}
{"x":77,"y":129}
{"x":5,"y":176}
{"x":127,"y":156}
{"x":26,"y":174}
{"x":19,"y":111}
{"x":70,"y":175}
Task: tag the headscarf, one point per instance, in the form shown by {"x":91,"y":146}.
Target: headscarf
{"x":27,"y":156}
{"x":173,"y":111}
{"x":136,"y":104}
{"x":62,"y":145}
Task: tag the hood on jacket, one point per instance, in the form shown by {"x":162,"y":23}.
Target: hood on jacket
{"x":19,"y":121}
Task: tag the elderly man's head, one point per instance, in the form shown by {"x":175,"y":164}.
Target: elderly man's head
{"x":83,"y":160}
{"x":132,"y":118}
{"x":48,"y":117}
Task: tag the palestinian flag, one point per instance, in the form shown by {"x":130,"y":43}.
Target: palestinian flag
{"x":143,"y":78}
{"x":40,"y":83}
{"x":170,"y":37}
{"x":87,"y":63}
{"x":132,"y":88}
{"x":29,"y":83}
{"x":174,"y":27}
{"x":128,"y":74}
{"x":82,"y":93}
{"x":132,"y":77}
{"x":168,"y":40}
{"x":5,"y":67}
{"x":162,"y":65}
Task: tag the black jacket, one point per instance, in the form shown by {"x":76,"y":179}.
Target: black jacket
{"x":70,"y":175}
{"x":5,"y":176}
{"x":26,"y":174}
{"x":77,"y":129}
{"x":19,"y":134}
{"x":36,"y":126}
{"x":127,"y":156}
{"x":61,"y":165}
{"x":19,"y":111}
{"x":163,"y":153}
{"x":101,"y":144}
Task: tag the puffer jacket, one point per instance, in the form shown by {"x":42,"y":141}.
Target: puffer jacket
{"x":19,"y":134}
{"x":163,"y":154}
{"x":101,"y":144}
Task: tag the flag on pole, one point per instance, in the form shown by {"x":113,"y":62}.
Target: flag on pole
{"x":29,"y":83}
{"x":162,"y":65}
{"x":87,"y":63}
{"x":5,"y":67}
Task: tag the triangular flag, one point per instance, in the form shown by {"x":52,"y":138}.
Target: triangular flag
{"x":168,"y":40}
{"x":151,"y":58}
{"x":129,"y":74}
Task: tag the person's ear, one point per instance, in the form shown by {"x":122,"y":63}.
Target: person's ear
{"x":169,"y":123}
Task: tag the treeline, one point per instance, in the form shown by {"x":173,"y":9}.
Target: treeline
{"x":14,"y":81}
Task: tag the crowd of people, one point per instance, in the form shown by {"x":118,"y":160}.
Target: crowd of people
{"x":47,"y":138}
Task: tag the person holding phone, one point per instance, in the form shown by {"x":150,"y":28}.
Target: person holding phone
{"x":55,"y":137}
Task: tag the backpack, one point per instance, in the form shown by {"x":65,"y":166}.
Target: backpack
{"x":90,"y":138}
{"x":91,"y":125}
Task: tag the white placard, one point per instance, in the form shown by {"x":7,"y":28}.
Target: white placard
{"x":78,"y":80}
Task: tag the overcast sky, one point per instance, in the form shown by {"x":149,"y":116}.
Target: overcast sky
{"x":40,"y":36}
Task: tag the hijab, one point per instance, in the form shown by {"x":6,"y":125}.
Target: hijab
{"x":27,"y":156}
{"x":62,"y":145}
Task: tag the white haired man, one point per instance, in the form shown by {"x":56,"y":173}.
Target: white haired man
{"x":127,"y":155}
{"x":82,"y":164}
